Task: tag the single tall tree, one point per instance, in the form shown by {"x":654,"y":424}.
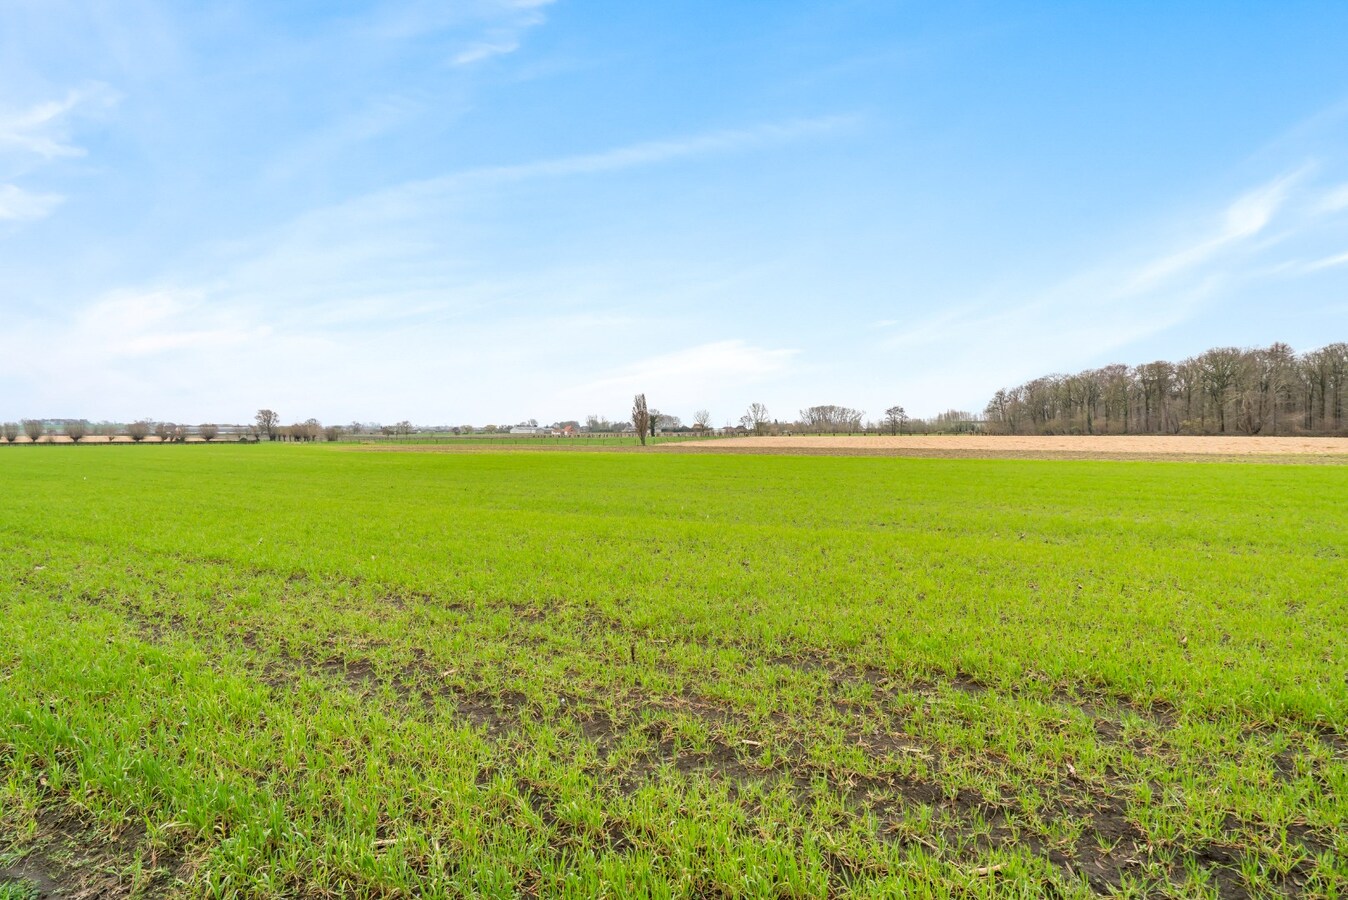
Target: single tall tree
{"x":755,"y":418}
{"x":894,"y":418}
{"x":641,"y":417}
{"x":267,"y":423}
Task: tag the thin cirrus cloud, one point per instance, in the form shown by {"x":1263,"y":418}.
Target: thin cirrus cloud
{"x":684,"y":375}
{"x":478,"y":52}
{"x":1335,"y":199}
{"x":638,"y":154}
{"x":1245,"y":217}
{"x":43,"y":129}
{"x":39,"y":135}
{"x":502,"y":25}
{"x":18,"y":205}
{"x":336,"y":246}
{"x":1332,"y":262}
{"x":1133,"y":300}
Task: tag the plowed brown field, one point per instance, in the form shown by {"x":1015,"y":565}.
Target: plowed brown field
{"x":1113,"y":446}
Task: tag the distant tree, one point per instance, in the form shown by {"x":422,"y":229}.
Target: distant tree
{"x":755,"y":418}
{"x":138,"y":431}
{"x":489,"y":429}
{"x":332,"y":432}
{"x":267,"y":423}
{"x":208,"y":432}
{"x":664,"y":421}
{"x":10,"y":431}
{"x":76,"y":429}
{"x":355,"y":428}
{"x":641,"y":417}
{"x":163,"y":430}
{"x":1220,"y":370}
{"x":894,"y":419}
{"x":831,"y":418}
{"x":701,"y":420}
{"x":404,"y":428}
{"x":34,"y":429}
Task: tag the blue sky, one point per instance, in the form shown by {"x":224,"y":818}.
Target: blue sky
{"x":488,"y":211}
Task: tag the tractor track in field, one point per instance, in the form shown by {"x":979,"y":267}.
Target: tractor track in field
{"x":1111,"y":850}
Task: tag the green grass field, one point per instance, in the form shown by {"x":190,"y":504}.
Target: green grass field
{"x":312,"y":671}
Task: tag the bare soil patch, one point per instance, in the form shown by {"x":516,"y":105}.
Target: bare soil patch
{"x":1244,"y":447}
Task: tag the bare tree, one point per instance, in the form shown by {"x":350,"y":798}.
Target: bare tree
{"x":163,"y":430}
{"x":34,"y":429}
{"x":1255,"y":391}
{"x":332,"y":432}
{"x":641,"y":417}
{"x":267,"y":423}
{"x":10,"y":431}
{"x":755,"y":418}
{"x":831,"y":418}
{"x":208,"y":432}
{"x":138,"y":431}
{"x":701,"y":420}
{"x":661,"y":421}
{"x":403,"y":428}
{"x":76,"y":429}
{"x":894,"y":419}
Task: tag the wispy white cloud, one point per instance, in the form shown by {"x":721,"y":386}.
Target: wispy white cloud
{"x":1335,"y":199}
{"x":1114,"y":302}
{"x":477,"y":52}
{"x":481,"y":29}
{"x":139,"y":324}
{"x":1331,"y":262}
{"x":641,"y":153}
{"x":17,"y":205}
{"x":1244,"y":218}
{"x":689,"y":371}
{"x":37,"y":135}
{"x":43,"y":129}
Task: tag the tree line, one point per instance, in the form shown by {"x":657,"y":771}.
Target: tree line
{"x":1261,"y":390}
{"x":645,"y":422}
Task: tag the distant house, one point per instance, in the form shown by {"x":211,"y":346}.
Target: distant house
{"x":528,"y":429}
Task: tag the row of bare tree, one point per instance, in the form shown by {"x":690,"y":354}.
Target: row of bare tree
{"x":1266,"y":390}
{"x":78,"y":429}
